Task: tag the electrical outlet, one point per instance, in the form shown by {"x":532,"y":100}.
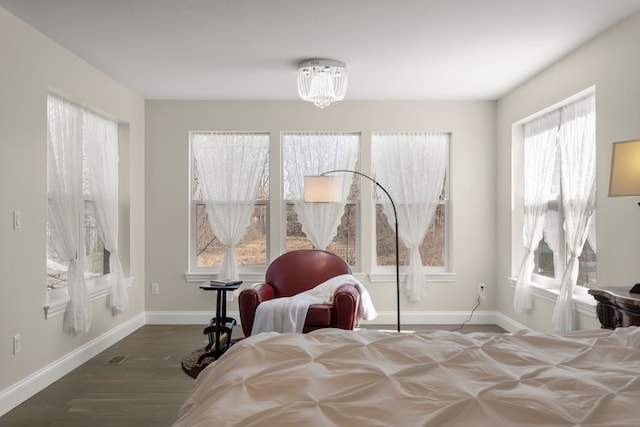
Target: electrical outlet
{"x":16,"y":344}
{"x":155,"y":288}
{"x":482,"y":290}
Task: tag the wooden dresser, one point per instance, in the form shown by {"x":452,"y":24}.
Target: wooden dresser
{"x":616,"y":306}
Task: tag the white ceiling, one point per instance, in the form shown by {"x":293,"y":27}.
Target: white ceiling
{"x":249,"y":49}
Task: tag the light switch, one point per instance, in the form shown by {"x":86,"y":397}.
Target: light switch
{"x":17,"y":220}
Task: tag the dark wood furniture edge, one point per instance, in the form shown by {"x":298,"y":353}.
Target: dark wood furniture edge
{"x":616,"y":307}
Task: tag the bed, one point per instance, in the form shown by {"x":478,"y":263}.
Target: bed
{"x":333,"y":377}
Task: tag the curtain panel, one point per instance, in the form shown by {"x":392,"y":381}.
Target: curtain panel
{"x":66,"y":205}
{"x":577,"y":143}
{"x":540,"y":150}
{"x":101,"y":148}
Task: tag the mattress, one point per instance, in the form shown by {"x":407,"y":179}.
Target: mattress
{"x":333,"y":377}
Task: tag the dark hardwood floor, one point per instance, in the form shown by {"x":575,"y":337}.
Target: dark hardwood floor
{"x":146,"y":388}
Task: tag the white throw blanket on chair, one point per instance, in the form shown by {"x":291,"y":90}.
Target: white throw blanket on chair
{"x":287,"y":314}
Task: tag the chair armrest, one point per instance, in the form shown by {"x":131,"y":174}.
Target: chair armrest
{"x":248,"y":301}
{"x":346,"y":300}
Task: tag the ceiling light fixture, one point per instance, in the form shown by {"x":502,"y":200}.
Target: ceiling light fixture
{"x":322,"y":81}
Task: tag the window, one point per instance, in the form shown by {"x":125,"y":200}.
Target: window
{"x":82,"y":221}
{"x":326,"y":226}
{"x":229,"y":200}
{"x":70,"y":143}
{"x":412,"y":167}
{"x":420,"y":197}
{"x":570,"y":169}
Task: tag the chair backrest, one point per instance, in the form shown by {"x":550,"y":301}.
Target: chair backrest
{"x":298,"y":271}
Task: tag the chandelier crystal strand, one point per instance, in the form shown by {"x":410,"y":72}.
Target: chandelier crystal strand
{"x":322,"y":81}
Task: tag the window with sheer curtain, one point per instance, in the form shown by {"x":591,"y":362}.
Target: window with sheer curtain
{"x":559,"y":206}
{"x":412,"y":166}
{"x":82,"y":222}
{"x":330,"y":226}
{"x":229,"y":201}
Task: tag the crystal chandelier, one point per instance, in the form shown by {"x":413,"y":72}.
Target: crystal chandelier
{"x":322,"y":81}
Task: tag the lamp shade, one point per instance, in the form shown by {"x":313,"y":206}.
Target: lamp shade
{"x":322,"y":189}
{"x":625,"y":169}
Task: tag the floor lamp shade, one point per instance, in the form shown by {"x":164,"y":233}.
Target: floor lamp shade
{"x":625,"y":169}
{"x":318,"y":189}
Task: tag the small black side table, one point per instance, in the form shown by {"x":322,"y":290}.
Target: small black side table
{"x":219,"y":324}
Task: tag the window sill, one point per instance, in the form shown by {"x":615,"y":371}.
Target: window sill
{"x":57,"y":299}
{"x":430,"y":277}
{"x":377,"y":277}
{"x":584,"y":303}
{"x":249,"y":277}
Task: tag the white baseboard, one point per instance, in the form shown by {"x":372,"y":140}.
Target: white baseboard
{"x":443,"y":318}
{"x":507,"y":323}
{"x":24,"y":389}
{"x":27,"y":387}
{"x":384,"y":318}
{"x":184,"y":317}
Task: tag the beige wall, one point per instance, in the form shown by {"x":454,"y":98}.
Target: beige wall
{"x":472,"y":189}
{"x":610,"y":63}
{"x":31,"y":66}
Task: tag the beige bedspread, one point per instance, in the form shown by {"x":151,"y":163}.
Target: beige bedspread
{"x":333,"y":377}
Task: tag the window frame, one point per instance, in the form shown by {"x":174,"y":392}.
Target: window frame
{"x":436,"y":273}
{"x":356,"y":202}
{"x":88,"y":199}
{"x":196,"y":273}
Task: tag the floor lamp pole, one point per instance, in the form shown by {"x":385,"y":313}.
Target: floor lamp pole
{"x":395,"y":215}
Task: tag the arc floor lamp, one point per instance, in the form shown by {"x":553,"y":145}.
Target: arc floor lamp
{"x":324,"y":189}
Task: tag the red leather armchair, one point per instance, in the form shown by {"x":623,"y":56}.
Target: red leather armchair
{"x":298,"y":271}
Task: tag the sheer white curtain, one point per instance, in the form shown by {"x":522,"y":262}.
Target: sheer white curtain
{"x":313,"y":154}
{"x":412,"y":168}
{"x":229,"y":167}
{"x":66,"y":205}
{"x":540,"y":151}
{"x":577,"y":157}
{"x":101,"y":149}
